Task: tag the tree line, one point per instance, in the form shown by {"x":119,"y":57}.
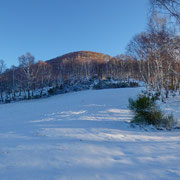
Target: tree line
{"x":30,"y":77}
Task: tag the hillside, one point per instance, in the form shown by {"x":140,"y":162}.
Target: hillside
{"x":83,"y":68}
{"x":82,"y":56}
{"x":84,"y":135}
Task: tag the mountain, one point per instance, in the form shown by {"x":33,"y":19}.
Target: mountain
{"x":81,"y":56}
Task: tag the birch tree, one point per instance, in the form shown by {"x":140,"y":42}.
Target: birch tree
{"x":27,"y":72}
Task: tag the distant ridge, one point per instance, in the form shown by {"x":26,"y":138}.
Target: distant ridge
{"x":81,"y":56}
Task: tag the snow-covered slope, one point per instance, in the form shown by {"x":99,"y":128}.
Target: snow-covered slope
{"x":83,"y":135}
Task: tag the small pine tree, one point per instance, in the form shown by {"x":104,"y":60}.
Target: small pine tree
{"x":147,"y":112}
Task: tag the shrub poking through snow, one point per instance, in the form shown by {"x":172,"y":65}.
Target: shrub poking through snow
{"x":147,"y":112}
{"x":108,"y":84}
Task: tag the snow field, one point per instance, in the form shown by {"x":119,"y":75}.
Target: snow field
{"x":85,"y":135}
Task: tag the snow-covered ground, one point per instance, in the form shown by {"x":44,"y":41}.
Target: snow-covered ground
{"x":84,"y":135}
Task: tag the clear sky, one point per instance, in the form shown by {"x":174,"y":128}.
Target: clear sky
{"x":50,"y":28}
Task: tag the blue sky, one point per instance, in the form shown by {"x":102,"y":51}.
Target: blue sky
{"x":50,"y":28}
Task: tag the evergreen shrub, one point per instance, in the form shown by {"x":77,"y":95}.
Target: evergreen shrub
{"x":147,"y":112}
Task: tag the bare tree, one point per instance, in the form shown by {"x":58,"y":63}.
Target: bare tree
{"x":43,"y":76}
{"x":2,"y":79}
{"x":167,"y":7}
{"x":27,"y":72}
{"x":2,"y":66}
{"x":155,"y":52}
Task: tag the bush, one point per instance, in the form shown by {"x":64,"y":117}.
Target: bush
{"x":56,"y":90}
{"x":99,"y":85}
{"x":36,"y":97}
{"x":108,"y":85}
{"x":147,"y":112}
{"x":133,"y":84}
{"x":7,"y":100}
{"x":51,"y":91}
